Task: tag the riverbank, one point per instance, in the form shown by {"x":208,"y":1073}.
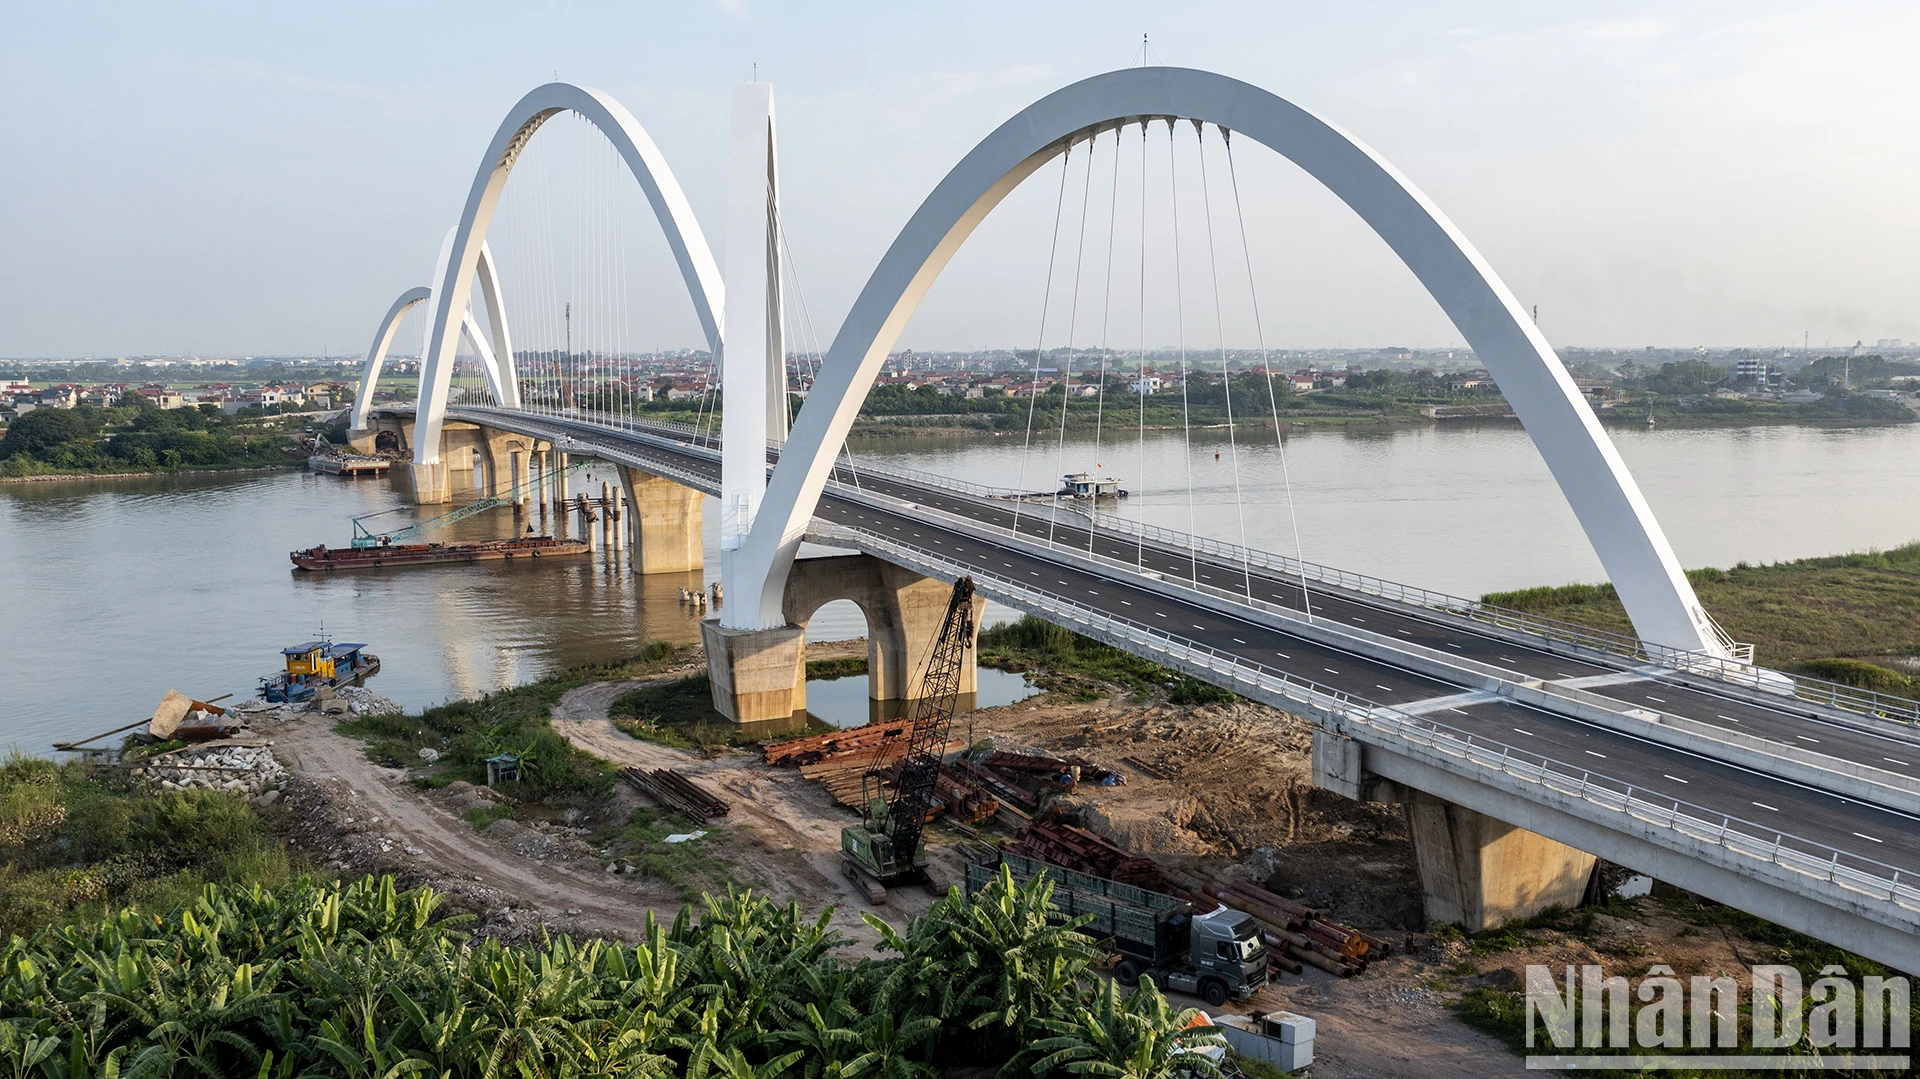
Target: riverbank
{"x":54,"y":477}
{"x":1223,"y":786}
{"x":1852,"y":618}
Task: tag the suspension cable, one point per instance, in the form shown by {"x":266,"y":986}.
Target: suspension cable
{"x":1140,"y":387}
{"x":1180,"y":327}
{"x":1073,"y":324}
{"x":1226,"y":377}
{"x":1106,"y":310}
{"x":1300,"y":556}
{"x":1046,"y":300}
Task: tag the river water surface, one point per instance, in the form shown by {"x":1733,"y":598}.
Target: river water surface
{"x":115,"y":590}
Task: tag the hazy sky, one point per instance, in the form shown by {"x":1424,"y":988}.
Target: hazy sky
{"x":264,"y":179}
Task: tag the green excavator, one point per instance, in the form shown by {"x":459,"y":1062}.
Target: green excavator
{"x":885,"y":849}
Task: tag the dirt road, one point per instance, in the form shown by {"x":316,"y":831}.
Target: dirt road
{"x":392,"y":817}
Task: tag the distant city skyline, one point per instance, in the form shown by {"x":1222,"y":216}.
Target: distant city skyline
{"x":209,"y":181}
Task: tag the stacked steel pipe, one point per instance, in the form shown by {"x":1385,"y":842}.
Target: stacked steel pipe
{"x":676,"y":792}
{"x":1295,"y":933}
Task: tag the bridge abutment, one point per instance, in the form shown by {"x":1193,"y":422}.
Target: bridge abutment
{"x":904,"y":612}
{"x":1476,"y":871}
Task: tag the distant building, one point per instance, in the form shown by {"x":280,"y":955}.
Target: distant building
{"x":1146,"y":385}
{"x":1761,"y":374}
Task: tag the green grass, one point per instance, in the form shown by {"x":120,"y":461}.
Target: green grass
{"x":467,"y":732}
{"x":76,"y":839}
{"x":845,"y":667}
{"x":691,"y":866}
{"x":481,"y":816}
{"x":1061,"y":661}
{"x":680,"y":714}
{"x":1829,"y":617}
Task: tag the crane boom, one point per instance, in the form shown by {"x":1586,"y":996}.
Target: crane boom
{"x":886,"y":847}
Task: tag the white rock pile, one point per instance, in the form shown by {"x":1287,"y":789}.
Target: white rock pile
{"x":250,"y":770}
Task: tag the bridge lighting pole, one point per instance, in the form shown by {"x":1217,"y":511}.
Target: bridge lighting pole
{"x":753,"y":360}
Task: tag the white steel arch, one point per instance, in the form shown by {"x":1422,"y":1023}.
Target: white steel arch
{"x":496,"y":357}
{"x":1604,"y":497}
{"x":643,"y":159}
{"x":377,"y":353}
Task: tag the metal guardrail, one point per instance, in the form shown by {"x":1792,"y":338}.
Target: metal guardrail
{"x":1736,"y":671}
{"x":1810,"y":859}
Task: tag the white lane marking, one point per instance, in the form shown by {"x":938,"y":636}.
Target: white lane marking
{"x":1591,"y":753}
{"x":1329,"y":670}
{"x":1450,"y":644}
{"x":1128,"y":602}
{"x":1197,"y":625}
{"x":1357,"y":618}
{"x":1506,"y":659}
{"x":1902,"y":764}
{"x":1869,"y":838}
{"x":1091,"y":592}
{"x":1676,"y":779}
{"x":1528,"y":733}
{"x":1283,"y":655}
{"x":1804,"y":738}
{"x":1564,"y":674}
{"x":1403,"y":633}
{"x":1007,"y":565}
{"x":1377,"y":685}
{"x":1764,"y":805}
{"x":1729,"y":719}
{"x":1162,"y":614}
{"x":1237,"y":640}
{"x":1656,"y":700}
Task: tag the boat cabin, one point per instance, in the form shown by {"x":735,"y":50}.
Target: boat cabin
{"x":322,"y":660}
{"x":1086,"y":485}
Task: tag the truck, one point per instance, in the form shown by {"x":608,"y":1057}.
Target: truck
{"x":1216,"y":955}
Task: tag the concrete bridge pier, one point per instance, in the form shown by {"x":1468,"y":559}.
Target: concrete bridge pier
{"x":666,"y":523}
{"x":1476,"y":871}
{"x":557,"y":491}
{"x":761,"y":674}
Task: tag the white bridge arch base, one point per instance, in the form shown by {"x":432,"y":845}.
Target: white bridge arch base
{"x":1591,"y":475}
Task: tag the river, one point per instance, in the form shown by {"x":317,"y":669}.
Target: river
{"x":118,"y":589}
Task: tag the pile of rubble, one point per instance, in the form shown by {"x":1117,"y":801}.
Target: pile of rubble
{"x":251,"y":770}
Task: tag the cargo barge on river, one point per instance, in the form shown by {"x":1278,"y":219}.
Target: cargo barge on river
{"x":423,"y":554}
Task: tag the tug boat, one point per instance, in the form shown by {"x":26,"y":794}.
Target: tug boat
{"x":318,"y":665}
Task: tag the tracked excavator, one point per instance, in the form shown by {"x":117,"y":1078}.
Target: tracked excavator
{"x":884,"y":850}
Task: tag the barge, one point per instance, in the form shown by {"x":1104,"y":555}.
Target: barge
{"x":422,"y":554}
{"x":350,"y":465}
{"x":318,"y":665}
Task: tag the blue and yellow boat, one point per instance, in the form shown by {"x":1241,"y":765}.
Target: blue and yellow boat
{"x":318,"y":665}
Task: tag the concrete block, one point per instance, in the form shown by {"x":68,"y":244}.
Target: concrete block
{"x":757,"y":674}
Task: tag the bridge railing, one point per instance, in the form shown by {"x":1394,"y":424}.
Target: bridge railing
{"x":1809,"y":861}
{"x":1739,"y":670}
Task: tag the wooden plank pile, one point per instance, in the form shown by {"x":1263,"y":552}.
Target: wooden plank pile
{"x":1294,"y":933}
{"x":852,"y":743}
{"x":676,"y":792}
{"x":1083,"y":852}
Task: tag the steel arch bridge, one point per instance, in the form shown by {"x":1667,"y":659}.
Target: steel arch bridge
{"x":805,"y":495}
